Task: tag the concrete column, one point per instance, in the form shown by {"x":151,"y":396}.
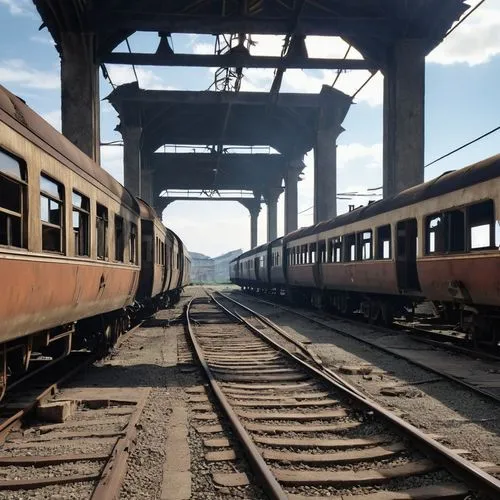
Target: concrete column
{"x":271,"y":197}
{"x":334,"y":106}
{"x":253,"y":206}
{"x":147,"y":186}
{"x":132,"y":175}
{"x":291,"y":199}
{"x":404,"y":96}
{"x":80,"y":111}
{"x":254,"y":219}
{"x":160,"y":204}
{"x":325,"y":175}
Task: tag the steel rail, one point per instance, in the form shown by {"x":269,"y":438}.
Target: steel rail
{"x":461,"y":468}
{"x":387,"y":350}
{"x":7,"y":424}
{"x":261,"y":469}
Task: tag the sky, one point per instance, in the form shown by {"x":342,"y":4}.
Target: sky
{"x":462,"y":102}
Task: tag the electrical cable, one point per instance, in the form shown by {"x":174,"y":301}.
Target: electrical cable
{"x":453,"y":28}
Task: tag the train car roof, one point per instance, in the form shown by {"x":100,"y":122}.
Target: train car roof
{"x":146,"y":210}
{"x":443,"y":184}
{"x":55,"y":144}
{"x":257,"y":249}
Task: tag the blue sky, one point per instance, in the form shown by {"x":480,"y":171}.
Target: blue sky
{"x":462,"y":102}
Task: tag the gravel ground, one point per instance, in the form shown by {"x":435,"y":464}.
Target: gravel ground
{"x":463,"y":419}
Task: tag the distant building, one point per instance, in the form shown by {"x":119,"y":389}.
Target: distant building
{"x":206,"y":269}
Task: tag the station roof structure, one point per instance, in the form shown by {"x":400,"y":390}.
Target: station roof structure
{"x":230,"y":171}
{"x":369,"y":25}
{"x":287,"y":121}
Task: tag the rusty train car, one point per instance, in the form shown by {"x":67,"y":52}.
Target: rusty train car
{"x":79,"y":255}
{"x":438,"y":241}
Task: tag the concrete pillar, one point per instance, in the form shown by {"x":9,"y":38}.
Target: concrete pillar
{"x":404,"y":97}
{"x":160,"y":204}
{"x":254,"y":219}
{"x":132,"y":175}
{"x":271,"y":197}
{"x":253,"y":206}
{"x":325,"y":175}
{"x":334,"y":106}
{"x":147,"y":186}
{"x":80,"y":111}
{"x":291,"y":199}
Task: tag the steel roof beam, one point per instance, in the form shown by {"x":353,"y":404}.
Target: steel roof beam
{"x":236,"y":61}
{"x":379,"y":27}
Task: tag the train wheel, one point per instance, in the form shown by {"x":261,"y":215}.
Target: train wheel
{"x":375,"y":313}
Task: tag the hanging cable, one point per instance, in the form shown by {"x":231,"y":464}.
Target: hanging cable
{"x":133,"y":65}
{"x":463,"y":146}
{"x":363,"y":86}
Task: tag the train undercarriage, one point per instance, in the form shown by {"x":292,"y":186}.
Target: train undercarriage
{"x":479,"y":324}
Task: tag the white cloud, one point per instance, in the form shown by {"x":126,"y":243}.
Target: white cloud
{"x":370,"y":156}
{"x":17,"y":71}
{"x":18,"y":7}
{"x":112,"y":161}
{"x":475,"y":41}
{"x":54,"y":118}
{"x":354,"y":162}
{"x":45,"y":40}
{"x":148,"y":79}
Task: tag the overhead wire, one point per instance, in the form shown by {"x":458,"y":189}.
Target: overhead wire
{"x":463,"y":146}
{"x":453,"y":28}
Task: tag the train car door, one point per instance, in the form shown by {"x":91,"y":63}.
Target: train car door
{"x":256,"y":267}
{"x":406,"y":255}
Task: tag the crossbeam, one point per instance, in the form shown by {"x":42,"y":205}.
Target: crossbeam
{"x":139,"y":20}
{"x":217,"y":98}
{"x":205,"y":198}
{"x":236,"y":61}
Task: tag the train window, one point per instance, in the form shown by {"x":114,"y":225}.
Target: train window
{"x":455,"y":222}
{"x":119,"y":239}
{"x":349,"y":248}
{"x":335,"y":254}
{"x":304,"y":255}
{"x":12,"y":202}
{"x":312,"y":253}
{"x":102,"y":231}
{"x":322,"y":251}
{"x":435,"y":234}
{"x":365,"y":245}
{"x":81,"y":213}
{"x":133,"y":243}
{"x":383,"y":242}
{"x":481,"y":225}
{"x":52,"y":211}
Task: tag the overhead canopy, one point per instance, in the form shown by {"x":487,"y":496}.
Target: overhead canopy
{"x":287,"y":122}
{"x":217,"y":171}
{"x":371,"y":25}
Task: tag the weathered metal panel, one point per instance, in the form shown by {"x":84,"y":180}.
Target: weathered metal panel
{"x":376,"y":276}
{"x":478,"y":273}
{"x":43,"y":292}
{"x":301,"y":275}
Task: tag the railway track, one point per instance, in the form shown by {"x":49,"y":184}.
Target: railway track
{"x":308,"y":433}
{"x":312,"y":318}
{"x":89,"y":448}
